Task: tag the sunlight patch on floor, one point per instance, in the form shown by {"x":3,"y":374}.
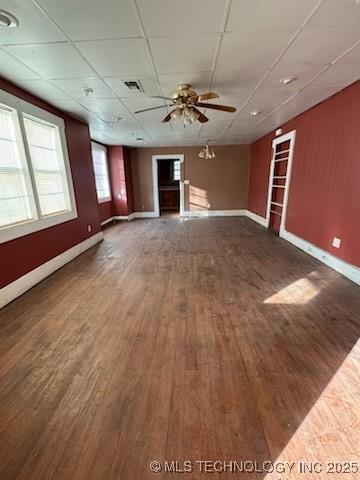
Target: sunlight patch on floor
{"x":299,"y":292}
{"x":327,"y":442}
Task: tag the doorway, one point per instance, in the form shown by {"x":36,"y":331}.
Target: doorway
{"x":279,"y":181}
{"x":168,"y":188}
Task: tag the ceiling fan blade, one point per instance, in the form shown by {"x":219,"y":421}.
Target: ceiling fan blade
{"x":168,"y":117}
{"x":159,"y":96}
{"x":208,"y":96}
{"x":223,"y":108}
{"x":202,"y":118}
{"x":152,"y":108}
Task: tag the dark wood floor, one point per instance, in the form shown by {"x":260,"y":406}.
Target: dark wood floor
{"x":205,"y":339}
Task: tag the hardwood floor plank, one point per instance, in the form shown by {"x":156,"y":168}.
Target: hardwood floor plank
{"x":174,"y":340}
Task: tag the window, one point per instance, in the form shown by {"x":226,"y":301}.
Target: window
{"x":36,"y":188}
{"x":16,"y":204}
{"x":100,"y":163}
{"x":48,"y":166}
{"x":176,"y":170}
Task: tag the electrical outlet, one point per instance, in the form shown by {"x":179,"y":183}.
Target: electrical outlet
{"x":336,"y":242}
{"x":89,"y":228}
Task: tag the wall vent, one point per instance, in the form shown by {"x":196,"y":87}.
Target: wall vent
{"x":134,"y":85}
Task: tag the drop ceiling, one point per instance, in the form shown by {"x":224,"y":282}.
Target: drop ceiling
{"x":240,"y":49}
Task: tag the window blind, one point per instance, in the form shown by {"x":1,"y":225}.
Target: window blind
{"x":48,"y":166}
{"x":15,"y":200}
{"x":101,"y":172}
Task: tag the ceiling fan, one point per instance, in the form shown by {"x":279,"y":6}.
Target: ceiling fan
{"x":185,"y":102}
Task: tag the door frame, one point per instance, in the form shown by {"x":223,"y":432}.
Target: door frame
{"x":173,"y":156}
{"x":290,"y":136}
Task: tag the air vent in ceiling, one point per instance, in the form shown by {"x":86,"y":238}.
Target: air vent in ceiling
{"x":134,"y":85}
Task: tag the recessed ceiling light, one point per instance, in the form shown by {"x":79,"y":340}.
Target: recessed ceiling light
{"x":8,"y":20}
{"x":87,"y":91}
{"x":116,"y":119}
{"x":287,"y":80}
{"x":254,"y":113}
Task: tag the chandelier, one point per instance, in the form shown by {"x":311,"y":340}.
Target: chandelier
{"x":207,"y":152}
{"x":185,"y":114}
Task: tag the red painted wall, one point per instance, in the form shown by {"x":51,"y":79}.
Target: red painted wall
{"x":20,"y":256}
{"x":105,"y":210}
{"x":324,"y":196}
{"x":121,"y":180}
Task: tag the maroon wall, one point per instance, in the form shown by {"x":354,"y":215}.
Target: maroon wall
{"x":20,"y":256}
{"x":324,"y":196}
{"x":121,"y":181}
{"x":105,"y":210}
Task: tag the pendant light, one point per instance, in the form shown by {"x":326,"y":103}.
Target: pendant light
{"x":207,"y":152}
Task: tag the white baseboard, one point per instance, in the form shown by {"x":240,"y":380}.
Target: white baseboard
{"x":27,"y":281}
{"x":145,"y":215}
{"x":105,"y":222}
{"x":346,"y":269}
{"x":256,"y":218}
{"x":118,"y":217}
{"x":215,"y":213}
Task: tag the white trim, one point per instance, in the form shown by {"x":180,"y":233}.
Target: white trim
{"x":290,"y":136}
{"x":155,"y":158}
{"x":216,"y":213}
{"x":105,"y":222}
{"x":346,"y":269}
{"x":24,"y":283}
{"x":256,"y":218}
{"x":146,"y":215}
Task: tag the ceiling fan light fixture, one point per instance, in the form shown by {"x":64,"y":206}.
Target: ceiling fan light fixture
{"x":7,"y":20}
{"x":254,"y":113}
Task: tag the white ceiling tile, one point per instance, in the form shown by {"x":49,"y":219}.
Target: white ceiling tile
{"x":74,"y":87}
{"x":337,"y":12}
{"x":304,"y":100}
{"x":58,"y":60}
{"x":72,"y":107}
{"x":338,"y":75}
{"x":106,"y":109}
{"x":241,"y":82}
{"x":265,"y":101}
{"x":148,"y":84}
{"x":199,"y":81}
{"x":319,"y":46}
{"x":42,"y":89}
{"x":91,"y":19}
{"x":252,"y":48}
{"x":191,"y":53}
{"x":352,"y":56}
{"x":135,"y":104}
{"x":302,"y":74}
{"x":12,"y":69}
{"x":181,"y":17}
{"x":33,"y":27}
{"x":118,"y":57}
{"x":268,"y":14}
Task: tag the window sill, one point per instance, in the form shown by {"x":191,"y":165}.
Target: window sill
{"x":104,"y":200}
{"x":20,"y":230}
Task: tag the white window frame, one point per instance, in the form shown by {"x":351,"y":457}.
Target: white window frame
{"x":104,"y":149}
{"x":39,"y":222}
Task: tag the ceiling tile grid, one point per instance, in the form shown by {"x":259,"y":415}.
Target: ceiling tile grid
{"x":78,"y":54}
